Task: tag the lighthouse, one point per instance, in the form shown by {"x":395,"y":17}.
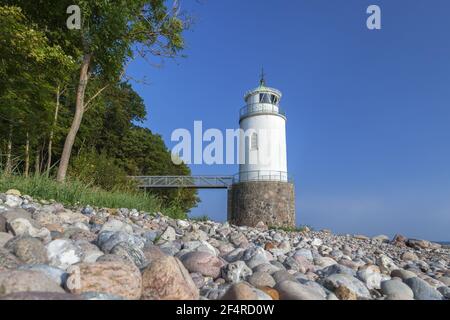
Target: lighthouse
{"x":262,"y":191}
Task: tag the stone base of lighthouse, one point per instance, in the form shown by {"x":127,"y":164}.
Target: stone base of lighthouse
{"x":272,"y":202}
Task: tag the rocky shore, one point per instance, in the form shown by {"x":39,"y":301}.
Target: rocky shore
{"x":48,"y":251}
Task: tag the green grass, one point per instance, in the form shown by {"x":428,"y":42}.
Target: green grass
{"x":296,"y":229}
{"x":77,"y":193}
{"x":202,"y":218}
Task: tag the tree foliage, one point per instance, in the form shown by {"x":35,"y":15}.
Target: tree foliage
{"x":40,"y":57}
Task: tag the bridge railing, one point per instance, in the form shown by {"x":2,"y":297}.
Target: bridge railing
{"x":199,"y":182}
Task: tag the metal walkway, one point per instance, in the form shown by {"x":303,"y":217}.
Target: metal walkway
{"x":190,"y":182}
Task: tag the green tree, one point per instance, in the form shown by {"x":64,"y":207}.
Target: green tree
{"x":27,"y":76}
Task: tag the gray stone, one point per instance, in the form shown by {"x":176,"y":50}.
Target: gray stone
{"x":396,"y":290}
{"x":4,"y":238}
{"x":370,"y":275}
{"x":40,"y":296}
{"x":107,"y":240}
{"x":202,"y":262}
{"x":335,"y":281}
{"x":422,"y":290}
{"x":59,"y":276}
{"x":114,"y":225}
{"x":13,"y":201}
{"x":23,"y":227}
{"x":2,"y":223}
{"x":290,"y":290}
{"x":266,"y":268}
{"x":261,"y":279}
{"x":445,"y":291}
{"x":13,"y":281}
{"x":236,"y":271}
{"x":259,"y":257}
{"x":169,"y":234}
{"x":8,"y":260}
{"x":282,"y":275}
{"x":200,"y":246}
{"x":386,"y":264}
{"x":63,"y":253}
{"x":12,"y":214}
{"x":336,"y":268}
{"x":131,"y":253}
{"x":304,"y":253}
{"x":402,"y":274}
{"x":170,"y":248}
{"x":99,"y":296}
{"x":151,"y":235}
{"x":27,"y":249}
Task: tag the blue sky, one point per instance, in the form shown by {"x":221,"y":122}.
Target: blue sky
{"x":368,"y":111}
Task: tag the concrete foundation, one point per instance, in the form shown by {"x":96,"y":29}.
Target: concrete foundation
{"x":272,"y":202}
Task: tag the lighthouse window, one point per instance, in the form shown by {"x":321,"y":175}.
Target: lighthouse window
{"x":254,"y":142}
{"x":268,"y":98}
{"x":264,"y":98}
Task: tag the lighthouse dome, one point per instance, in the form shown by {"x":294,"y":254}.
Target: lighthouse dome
{"x":263,"y":94}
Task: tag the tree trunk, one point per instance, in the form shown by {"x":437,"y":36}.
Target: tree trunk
{"x":50,"y":140}
{"x":27,"y":156}
{"x":76,"y":122}
{"x":37,"y":163}
{"x":8,"y":166}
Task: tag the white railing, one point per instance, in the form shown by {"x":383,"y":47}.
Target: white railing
{"x":261,"y":175}
{"x":254,"y":108}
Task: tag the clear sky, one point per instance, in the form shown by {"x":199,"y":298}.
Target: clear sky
{"x":368,"y":111}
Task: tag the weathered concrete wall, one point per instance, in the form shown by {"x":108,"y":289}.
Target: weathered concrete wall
{"x":272,"y":202}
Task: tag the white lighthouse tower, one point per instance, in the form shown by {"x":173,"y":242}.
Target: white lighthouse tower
{"x":263,"y":136}
{"x":262,"y":191}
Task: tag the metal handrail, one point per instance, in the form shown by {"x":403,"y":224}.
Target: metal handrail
{"x":254,"y":108}
{"x":262,"y":175}
{"x":200,"y":182}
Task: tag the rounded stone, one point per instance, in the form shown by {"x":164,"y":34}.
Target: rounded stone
{"x":261,"y":279}
{"x":132,"y":253}
{"x":29,"y":250}
{"x":240,"y":291}
{"x":4,"y":238}
{"x":2,"y":223}
{"x":336,"y":280}
{"x":13,"y":281}
{"x":203,"y":262}
{"x":236,"y":271}
{"x":152,"y":252}
{"x":422,"y":290}
{"x":41,"y":296}
{"x":63,"y":253}
{"x":167,"y":279}
{"x":282,"y":275}
{"x":344,"y":293}
{"x":8,"y":260}
{"x":266,"y":268}
{"x":271,"y":292}
{"x":396,"y":290}
{"x":23,"y":227}
{"x":58,"y":275}
{"x":409,"y":256}
{"x":114,"y":225}
{"x":290,"y":290}
{"x":119,"y":279}
{"x":402,"y":274}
